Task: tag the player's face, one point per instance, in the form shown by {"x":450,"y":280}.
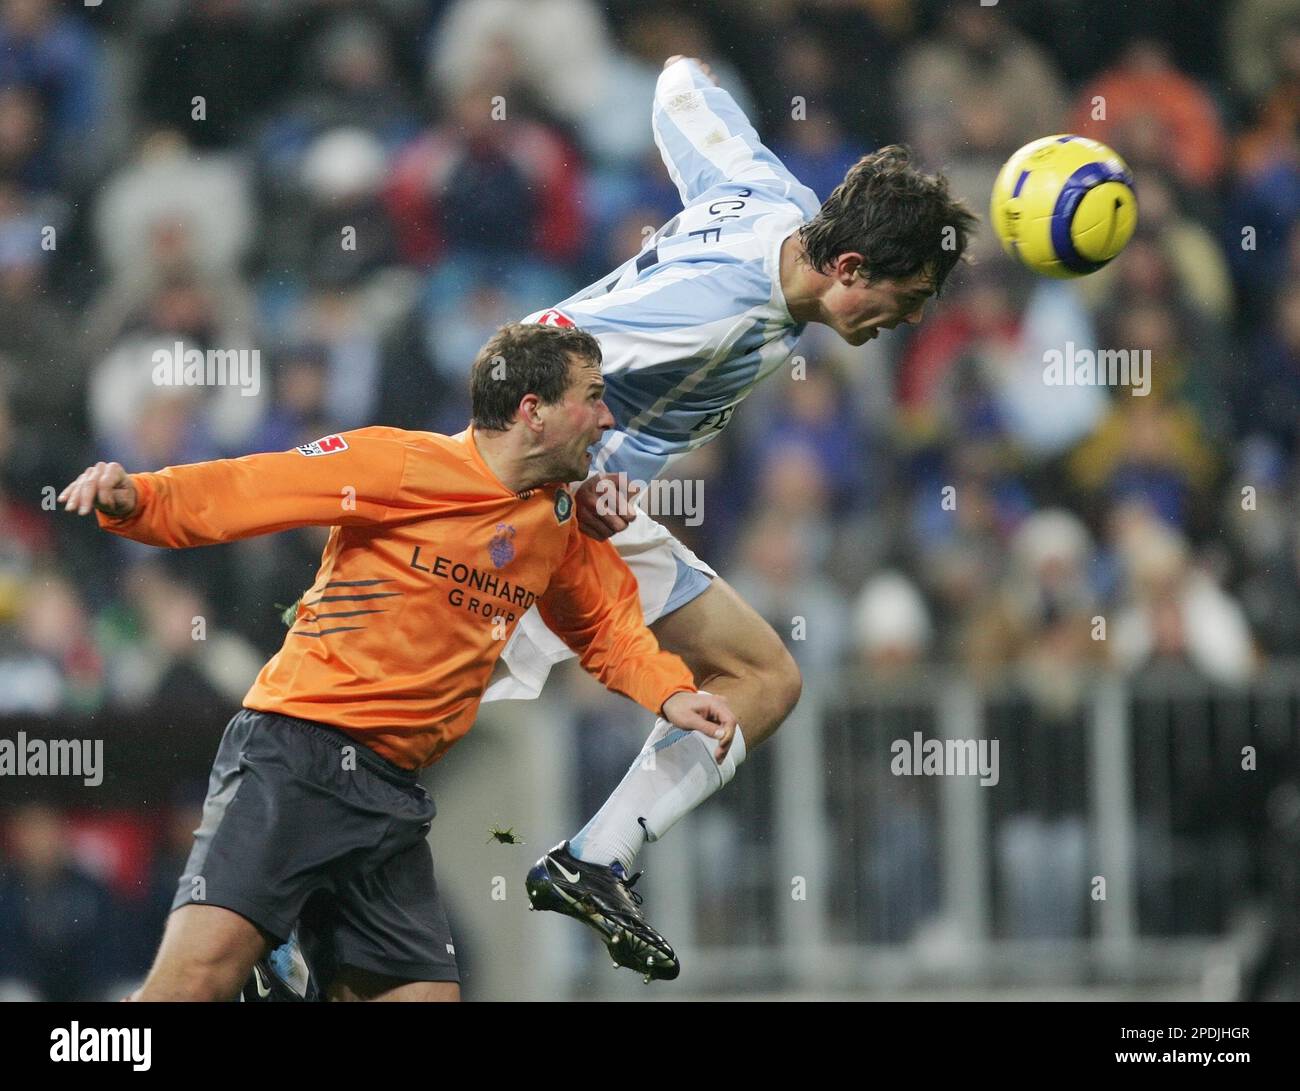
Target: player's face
{"x":578,"y":422}
{"x":858,"y":309}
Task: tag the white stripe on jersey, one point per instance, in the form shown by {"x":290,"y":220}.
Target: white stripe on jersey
{"x":689,"y":325}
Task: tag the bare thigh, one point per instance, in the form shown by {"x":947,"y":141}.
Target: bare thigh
{"x":206,"y":953}
{"x":732,"y":651}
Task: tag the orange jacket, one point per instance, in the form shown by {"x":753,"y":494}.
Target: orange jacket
{"x":430,"y":564}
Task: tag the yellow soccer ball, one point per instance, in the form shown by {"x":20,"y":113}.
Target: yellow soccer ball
{"x":1064,"y":206}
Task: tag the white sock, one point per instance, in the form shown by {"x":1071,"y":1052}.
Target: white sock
{"x":674,"y":773}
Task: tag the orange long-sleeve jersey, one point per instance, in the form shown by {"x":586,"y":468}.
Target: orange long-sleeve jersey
{"x":431,"y":562}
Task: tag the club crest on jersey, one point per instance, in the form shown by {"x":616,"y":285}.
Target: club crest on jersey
{"x":563,"y":506}
{"x":502,"y":547}
{"x":326,"y":445}
{"x":555,"y":318}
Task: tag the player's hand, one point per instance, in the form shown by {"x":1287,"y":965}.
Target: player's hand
{"x":606,"y":505}
{"x":104,"y":486}
{"x":704,"y":67}
{"x":703,"y":712}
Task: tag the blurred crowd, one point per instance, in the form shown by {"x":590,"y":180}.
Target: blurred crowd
{"x":362,"y":192}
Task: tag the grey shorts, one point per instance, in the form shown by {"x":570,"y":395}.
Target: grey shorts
{"x":304,"y":824}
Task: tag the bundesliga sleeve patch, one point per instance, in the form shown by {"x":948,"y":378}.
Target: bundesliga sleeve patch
{"x":326,"y":445}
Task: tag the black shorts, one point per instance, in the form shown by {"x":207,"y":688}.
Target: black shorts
{"x":304,"y":824}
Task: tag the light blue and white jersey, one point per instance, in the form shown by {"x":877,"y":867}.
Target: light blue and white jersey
{"x":689,"y":325}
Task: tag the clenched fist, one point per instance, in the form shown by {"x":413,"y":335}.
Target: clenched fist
{"x":704,"y":67}
{"x":104,"y":486}
{"x":606,"y":505}
{"x":703,"y":712}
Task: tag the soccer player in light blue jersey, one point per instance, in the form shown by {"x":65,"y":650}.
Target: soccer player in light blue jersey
{"x":714,"y":302}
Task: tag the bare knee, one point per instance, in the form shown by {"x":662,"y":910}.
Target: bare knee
{"x":777,"y":684}
{"x":732,"y":650}
{"x":785,"y":681}
{"x":192,"y":983}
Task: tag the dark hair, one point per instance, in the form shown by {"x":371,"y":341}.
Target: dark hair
{"x":524,"y":359}
{"x":894,"y":216}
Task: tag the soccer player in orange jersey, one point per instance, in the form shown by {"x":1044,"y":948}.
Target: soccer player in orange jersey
{"x":439,"y":544}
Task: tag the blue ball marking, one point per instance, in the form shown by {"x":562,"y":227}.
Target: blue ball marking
{"x":1087,"y":177}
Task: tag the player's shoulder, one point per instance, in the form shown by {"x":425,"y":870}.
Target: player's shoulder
{"x":689,"y":288}
{"x":380,"y":437}
{"x":431,"y":461}
{"x":383,"y":433}
{"x":780,"y":193}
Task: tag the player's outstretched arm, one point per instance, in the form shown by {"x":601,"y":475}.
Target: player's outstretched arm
{"x":593,"y":604}
{"x":351,"y":478}
{"x":705,"y":138}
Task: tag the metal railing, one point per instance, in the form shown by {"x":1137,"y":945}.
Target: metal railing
{"x":1126,"y":838}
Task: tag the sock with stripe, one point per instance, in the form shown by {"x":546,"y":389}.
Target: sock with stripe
{"x":674,"y":773}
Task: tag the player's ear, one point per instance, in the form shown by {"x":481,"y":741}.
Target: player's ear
{"x":529,"y":411}
{"x":847,"y":266}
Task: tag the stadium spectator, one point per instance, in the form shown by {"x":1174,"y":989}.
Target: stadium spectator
{"x":776,"y":576}
{"x":555,"y":48}
{"x":814,"y":413}
{"x":977,"y":88}
{"x":56,"y":56}
{"x":1162,"y":118}
{"x":173,"y":208}
{"x":483,"y":185}
{"x":350,"y":81}
{"x":1260,"y":517}
{"x":49,"y":661}
{"x":1041,"y":620}
{"x":56,"y":920}
{"x":1174,"y":613}
{"x":208,"y":71}
{"x":1187,"y":264}
{"x":1261,"y":43}
{"x":1268,"y":388}
{"x":1263,"y":201}
{"x":1154,"y":447}
{"x":41,"y":367}
{"x":891,"y":625}
{"x":183,"y":660}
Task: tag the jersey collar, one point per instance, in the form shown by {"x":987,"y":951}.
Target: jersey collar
{"x":475,"y":456}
